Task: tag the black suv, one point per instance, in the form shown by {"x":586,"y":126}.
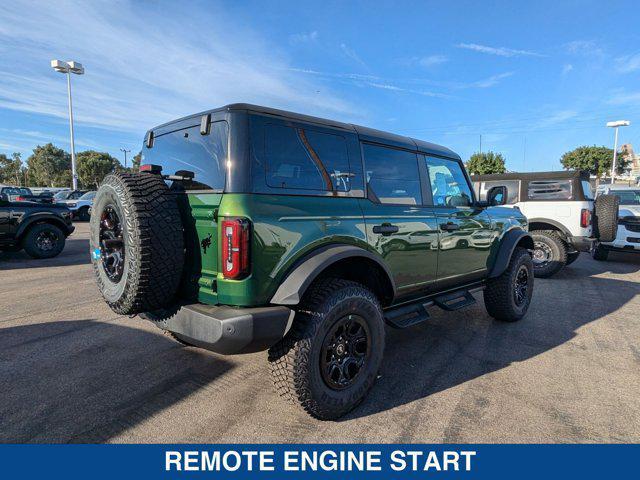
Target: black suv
{"x":41,"y":230}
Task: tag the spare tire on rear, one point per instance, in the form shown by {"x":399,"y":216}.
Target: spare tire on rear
{"x":137,"y":242}
{"x":606,"y":217}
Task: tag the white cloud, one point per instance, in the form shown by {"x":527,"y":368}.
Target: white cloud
{"x":310,"y":37}
{"x":628,"y":63}
{"x":499,"y":51}
{"x":490,"y":81}
{"x":351,"y":53}
{"x":142,"y":69}
{"x":625,"y":98}
{"x":585,"y":48}
{"x":567,"y":68}
{"x":432,"y":60}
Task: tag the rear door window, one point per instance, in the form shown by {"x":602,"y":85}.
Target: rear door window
{"x":392,"y":175}
{"x":186,"y":149}
{"x":299,"y":158}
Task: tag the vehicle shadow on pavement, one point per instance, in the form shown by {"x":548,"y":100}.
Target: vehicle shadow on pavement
{"x":88,"y":381}
{"x":76,"y":252}
{"x":452,"y":348}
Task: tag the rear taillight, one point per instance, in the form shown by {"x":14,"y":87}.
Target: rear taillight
{"x":20,"y":199}
{"x":585,"y":218}
{"x":235,"y":247}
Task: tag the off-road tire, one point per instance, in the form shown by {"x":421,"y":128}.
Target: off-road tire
{"x":572,"y":257}
{"x":83,"y":214}
{"x":295,"y":360}
{"x":30,"y":242}
{"x":599,"y":253}
{"x":605,"y":222}
{"x":153,"y":242}
{"x":557,"y":250}
{"x":499,"y":294}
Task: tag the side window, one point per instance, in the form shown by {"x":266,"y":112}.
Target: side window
{"x":549,"y":190}
{"x":306,"y":159}
{"x":449,"y":185}
{"x":513,"y":189}
{"x":392,"y":175}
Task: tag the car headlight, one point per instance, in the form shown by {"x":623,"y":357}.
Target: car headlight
{"x":72,"y":205}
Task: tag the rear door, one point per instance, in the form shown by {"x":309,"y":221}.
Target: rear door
{"x":466,"y":231}
{"x":400,"y":227}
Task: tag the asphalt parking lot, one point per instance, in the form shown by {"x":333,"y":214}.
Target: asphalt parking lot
{"x":73,"y":371}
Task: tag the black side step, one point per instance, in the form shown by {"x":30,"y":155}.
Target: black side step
{"x":407,"y":316}
{"x":455,"y":300}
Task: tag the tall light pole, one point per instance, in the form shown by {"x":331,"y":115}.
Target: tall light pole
{"x":125,"y":156}
{"x":78,"y":69}
{"x":616,"y":124}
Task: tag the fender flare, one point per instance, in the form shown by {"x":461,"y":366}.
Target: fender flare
{"x":41,"y":218}
{"x":505,"y":250}
{"x":556,"y":224}
{"x":295,"y":284}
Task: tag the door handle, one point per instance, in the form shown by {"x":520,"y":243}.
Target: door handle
{"x":449,"y":226}
{"x":385,"y":229}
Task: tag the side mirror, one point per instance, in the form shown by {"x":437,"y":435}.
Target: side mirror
{"x":497,"y":196}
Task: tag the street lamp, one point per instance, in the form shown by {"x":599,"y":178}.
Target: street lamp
{"x":616,"y":124}
{"x":78,"y":69}
{"x":125,"y":155}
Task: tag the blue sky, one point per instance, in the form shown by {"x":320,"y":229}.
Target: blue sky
{"x":534,"y":78}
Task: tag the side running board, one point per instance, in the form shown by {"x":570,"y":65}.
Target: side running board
{"x":455,"y":300}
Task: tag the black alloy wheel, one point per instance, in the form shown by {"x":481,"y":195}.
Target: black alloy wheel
{"x":345,"y":351}
{"x":112,"y":249}
{"x":521,"y":285}
{"x":46,"y":240}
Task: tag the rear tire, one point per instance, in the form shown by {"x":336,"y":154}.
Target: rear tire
{"x":507,"y":297}
{"x":331,"y":356}
{"x":599,"y":253}
{"x":44,"y":241}
{"x":550,"y":253}
{"x":83,"y":214}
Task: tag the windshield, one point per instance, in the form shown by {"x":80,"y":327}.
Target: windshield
{"x":627,"y":197}
{"x":61,"y":195}
{"x":88,"y":196}
{"x":187,"y":149}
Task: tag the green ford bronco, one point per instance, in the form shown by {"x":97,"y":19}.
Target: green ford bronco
{"x":250,"y":228}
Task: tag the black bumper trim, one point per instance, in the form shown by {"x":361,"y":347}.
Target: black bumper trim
{"x":227,"y":330}
{"x":581,"y":244}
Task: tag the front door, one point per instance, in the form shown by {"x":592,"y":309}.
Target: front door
{"x":466,"y":233}
{"x":399,"y":226}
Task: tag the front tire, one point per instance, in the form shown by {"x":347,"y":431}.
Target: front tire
{"x":331,"y":356}
{"x":83,"y":214}
{"x":507,"y":297}
{"x":550,"y":253}
{"x":44,"y":241}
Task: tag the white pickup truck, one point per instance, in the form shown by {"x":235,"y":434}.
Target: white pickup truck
{"x":628,"y":234}
{"x":564,"y":219}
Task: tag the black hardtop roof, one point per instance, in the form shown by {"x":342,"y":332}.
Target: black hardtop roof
{"x":365,"y":133}
{"x":561,"y":174}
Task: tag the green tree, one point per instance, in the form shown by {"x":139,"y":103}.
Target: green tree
{"x":93,"y":166}
{"x":11,"y":169}
{"x":595,"y":160}
{"x":135,"y":162}
{"x":47,"y":166}
{"x":486,"y":163}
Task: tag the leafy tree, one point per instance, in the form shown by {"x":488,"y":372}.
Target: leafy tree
{"x":486,"y":163}
{"x":135,"y":162}
{"x":47,"y":166}
{"x":595,"y":160}
{"x":11,"y":169}
{"x":93,"y":166}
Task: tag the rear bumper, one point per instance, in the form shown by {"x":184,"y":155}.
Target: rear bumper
{"x":227,"y":330}
{"x":581,"y":244}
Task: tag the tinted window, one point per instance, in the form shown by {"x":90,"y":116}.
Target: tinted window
{"x":449,"y":185}
{"x":627,"y":197}
{"x":306,"y":159}
{"x":586,"y":189}
{"x":550,"y":190}
{"x":392,"y":175}
{"x":187,"y":149}
{"x":88,"y":196}
{"x":513,"y":189}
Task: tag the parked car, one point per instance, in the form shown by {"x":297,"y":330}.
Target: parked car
{"x":68,"y":195}
{"x":564,"y":219}
{"x":81,"y":207}
{"x":41,"y":230}
{"x":23,"y":194}
{"x":628,"y":232}
{"x":251,"y":228}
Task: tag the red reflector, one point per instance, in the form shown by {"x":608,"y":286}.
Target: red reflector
{"x":149,"y":168}
{"x":235,"y":248}
{"x":585,"y":218}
